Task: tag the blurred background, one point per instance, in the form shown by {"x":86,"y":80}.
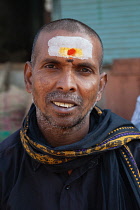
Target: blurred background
{"x":116,"y":21}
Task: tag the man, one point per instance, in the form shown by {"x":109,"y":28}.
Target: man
{"x":69,"y":154}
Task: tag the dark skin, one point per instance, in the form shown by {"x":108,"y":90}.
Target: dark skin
{"x":64,"y":90}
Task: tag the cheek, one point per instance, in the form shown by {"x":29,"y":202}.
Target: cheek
{"x":90,"y":88}
{"x":40,"y":87}
{"x":90,"y":93}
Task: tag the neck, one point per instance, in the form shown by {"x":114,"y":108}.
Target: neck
{"x":57,"y":136}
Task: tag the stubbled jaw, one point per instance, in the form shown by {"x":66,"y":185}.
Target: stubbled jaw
{"x":64,"y":105}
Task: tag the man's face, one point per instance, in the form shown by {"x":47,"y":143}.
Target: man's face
{"x":65,"y":88}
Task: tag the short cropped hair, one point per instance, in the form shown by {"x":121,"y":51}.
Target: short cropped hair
{"x":70,"y":25}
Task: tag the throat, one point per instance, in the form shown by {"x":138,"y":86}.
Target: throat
{"x":58,"y":137}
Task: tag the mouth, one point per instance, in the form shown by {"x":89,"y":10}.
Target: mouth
{"x":63,"y":105}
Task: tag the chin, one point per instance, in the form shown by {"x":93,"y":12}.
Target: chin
{"x":67,"y":124}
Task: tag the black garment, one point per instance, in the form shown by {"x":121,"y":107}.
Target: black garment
{"x":94,"y":183}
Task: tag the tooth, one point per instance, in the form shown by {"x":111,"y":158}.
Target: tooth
{"x":63,"y":104}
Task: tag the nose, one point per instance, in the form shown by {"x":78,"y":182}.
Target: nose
{"x":67,"y":82}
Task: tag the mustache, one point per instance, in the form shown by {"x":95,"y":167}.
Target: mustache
{"x":57,"y":95}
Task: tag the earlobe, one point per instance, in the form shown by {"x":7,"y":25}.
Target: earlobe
{"x":28,"y":76}
{"x":103,"y":81}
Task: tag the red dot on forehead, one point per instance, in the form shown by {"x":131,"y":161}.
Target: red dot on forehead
{"x":71,"y":51}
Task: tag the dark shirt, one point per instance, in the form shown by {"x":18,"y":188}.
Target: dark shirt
{"x":28,"y":185}
{"x":99,"y":181}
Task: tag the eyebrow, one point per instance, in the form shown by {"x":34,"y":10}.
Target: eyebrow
{"x":50,"y":60}
{"x":86,"y":64}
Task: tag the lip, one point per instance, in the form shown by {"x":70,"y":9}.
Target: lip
{"x":64,"y":110}
{"x":64,"y":101}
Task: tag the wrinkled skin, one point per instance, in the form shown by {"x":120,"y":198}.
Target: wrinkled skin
{"x":55,"y":82}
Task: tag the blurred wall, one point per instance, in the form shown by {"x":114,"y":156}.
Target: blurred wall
{"x":123,"y":87}
{"x":116,"y":21}
{"x":19,"y":21}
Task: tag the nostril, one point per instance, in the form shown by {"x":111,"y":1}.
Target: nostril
{"x":72,"y":89}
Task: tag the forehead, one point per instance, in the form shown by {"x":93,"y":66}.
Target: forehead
{"x":62,"y":43}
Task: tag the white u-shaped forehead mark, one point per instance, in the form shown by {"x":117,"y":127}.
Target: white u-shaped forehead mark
{"x":66,"y":46}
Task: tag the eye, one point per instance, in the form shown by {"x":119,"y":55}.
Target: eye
{"x":50,"y":66}
{"x":85,"y":70}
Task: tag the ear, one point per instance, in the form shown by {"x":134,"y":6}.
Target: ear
{"x":28,"y":76}
{"x":103,"y":81}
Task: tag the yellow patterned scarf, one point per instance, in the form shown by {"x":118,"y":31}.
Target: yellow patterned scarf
{"x":42,"y":153}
